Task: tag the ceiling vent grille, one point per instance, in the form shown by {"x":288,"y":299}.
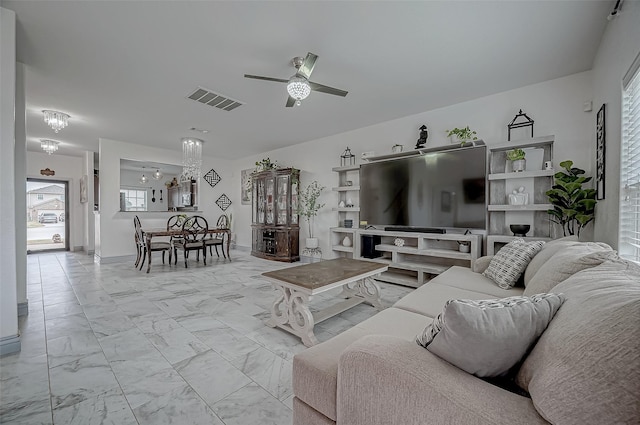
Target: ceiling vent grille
{"x":207,"y":97}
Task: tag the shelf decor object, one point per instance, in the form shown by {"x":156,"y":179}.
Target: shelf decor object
{"x":347,"y":158}
{"x":528,"y":122}
{"x":424,"y":134}
{"x":601,"y":145}
{"x":212,"y":177}
{"x":223,"y":202}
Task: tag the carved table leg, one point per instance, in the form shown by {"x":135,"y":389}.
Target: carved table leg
{"x":365,"y":288}
{"x":290,"y":311}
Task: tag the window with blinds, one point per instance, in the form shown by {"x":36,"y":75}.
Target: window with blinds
{"x":629,"y":243}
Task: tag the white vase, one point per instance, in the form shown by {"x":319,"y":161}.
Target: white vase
{"x":346,"y":241}
{"x":519,"y":165}
{"x":311,"y":243}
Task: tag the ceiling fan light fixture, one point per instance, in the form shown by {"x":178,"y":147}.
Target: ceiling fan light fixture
{"x":298,"y":88}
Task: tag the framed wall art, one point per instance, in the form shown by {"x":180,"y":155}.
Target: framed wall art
{"x":601,"y":145}
{"x":245,"y":184}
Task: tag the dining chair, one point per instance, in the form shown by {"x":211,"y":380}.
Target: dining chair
{"x":217,"y":239}
{"x":194,"y":231}
{"x":142,"y":244}
{"x":175,"y":222}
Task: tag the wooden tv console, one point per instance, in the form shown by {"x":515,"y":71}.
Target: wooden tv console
{"x":422,"y":254}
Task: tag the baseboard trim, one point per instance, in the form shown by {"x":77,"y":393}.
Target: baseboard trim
{"x":111,"y":260}
{"x":91,"y":252}
{"x":23,"y":308}
{"x":241,"y":248}
{"x":9,"y":345}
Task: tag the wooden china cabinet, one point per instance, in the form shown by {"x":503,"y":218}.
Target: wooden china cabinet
{"x":275,"y":224}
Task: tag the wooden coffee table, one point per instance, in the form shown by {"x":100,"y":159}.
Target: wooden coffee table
{"x":297,"y":285}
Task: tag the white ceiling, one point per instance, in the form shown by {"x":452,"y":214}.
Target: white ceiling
{"x":123,"y":69}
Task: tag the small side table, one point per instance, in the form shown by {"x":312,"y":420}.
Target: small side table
{"x":314,"y":253}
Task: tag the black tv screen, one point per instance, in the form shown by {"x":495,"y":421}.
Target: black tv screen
{"x":444,"y":189}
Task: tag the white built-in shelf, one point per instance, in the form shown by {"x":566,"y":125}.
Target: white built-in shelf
{"x":507,"y":238}
{"x":346,"y":209}
{"x":346,"y":188}
{"x":397,"y":278}
{"x":342,"y":248}
{"x":522,"y":175}
{"x":430,"y":252}
{"x":529,"y":207}
{"x":343,"y":229}
{"x":534,"y":142}
{"x":422,"y":151}
{"x":346,"y":168}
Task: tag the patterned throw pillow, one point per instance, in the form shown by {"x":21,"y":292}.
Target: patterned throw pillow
{"x":509,"y":263}
{"x":488,"y":337}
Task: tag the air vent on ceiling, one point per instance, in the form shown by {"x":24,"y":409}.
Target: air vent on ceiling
{"x":207,"y":97}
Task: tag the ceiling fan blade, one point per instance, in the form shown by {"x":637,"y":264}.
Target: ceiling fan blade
{"x":258,"y":77}
{"x":307,"y":66}
{"x":326,"y":89}
{"x":290,"y":102}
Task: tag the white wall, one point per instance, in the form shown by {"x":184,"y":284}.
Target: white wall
{"x":9,"y":339}
{"x":618,"y":48}
{"x":20,"y":173}
{"x":69,"y":168}
{"x":88,"y":241}
{"x":115,"y":227}
{"x":556,"y":106}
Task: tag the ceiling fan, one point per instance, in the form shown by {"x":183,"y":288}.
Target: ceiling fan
{"x":299,"y":86}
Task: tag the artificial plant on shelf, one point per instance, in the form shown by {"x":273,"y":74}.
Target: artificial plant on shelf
{"x":463,"y":135}
{"x":308,"y":207}
{"x":266,"y":165}
{"x":573,"y":206}
{"x":516,"y":156}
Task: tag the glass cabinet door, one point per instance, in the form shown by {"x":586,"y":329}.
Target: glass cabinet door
{"x":282,"y":205}
{"x":294,"y":201}
{"x":261,"y":201}
{"x":269,"y":193}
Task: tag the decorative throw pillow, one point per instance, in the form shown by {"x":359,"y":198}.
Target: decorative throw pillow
{"x":548,"y":250}
{"x":508,"y":264}
{"x":489,"y":337}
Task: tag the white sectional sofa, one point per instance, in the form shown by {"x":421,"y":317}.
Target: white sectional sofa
{"x":584,"y":369}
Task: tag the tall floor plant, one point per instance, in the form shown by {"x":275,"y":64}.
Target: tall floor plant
{"x":308,"y":205}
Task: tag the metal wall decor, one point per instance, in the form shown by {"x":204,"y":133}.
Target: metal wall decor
{"x":601,"y":148}
{"x":424,"y":133}
{"x":212,"y":177}
{"x":47,"y":172}
{"x":347,"y":158}
{"x":223,"y":202}
{"x":525,"y":122}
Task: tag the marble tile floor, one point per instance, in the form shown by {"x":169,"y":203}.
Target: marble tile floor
{"x":108,"y":344}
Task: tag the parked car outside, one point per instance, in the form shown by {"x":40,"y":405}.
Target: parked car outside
{"x":48,"y":218}
{"x":61,"y":217}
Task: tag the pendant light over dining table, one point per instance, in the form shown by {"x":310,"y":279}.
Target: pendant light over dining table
{"x":191,"y":158}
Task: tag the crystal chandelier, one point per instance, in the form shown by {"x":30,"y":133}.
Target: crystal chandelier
{"x":157,"y":175}
{"x":191,"y":158}
{"x":49,"y":146}
{"x":56,"y":120}
{"x":298,"y":88}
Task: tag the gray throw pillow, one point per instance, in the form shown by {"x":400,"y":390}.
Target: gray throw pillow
{"x":508,"y":264}
{"x":489,"y":337}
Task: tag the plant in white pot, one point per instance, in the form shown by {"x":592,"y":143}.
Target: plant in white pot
{"x":308,"y":207}
{"x":518,"y":163}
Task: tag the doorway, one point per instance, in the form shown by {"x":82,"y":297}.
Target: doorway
{"x":47,"y":215}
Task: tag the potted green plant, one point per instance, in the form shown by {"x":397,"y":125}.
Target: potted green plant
{"x":462,"y":135}
{"x":308,"y":207}
{"x":573,"y":206}
{"x":516,"y":156}
{"x":266,"y":165}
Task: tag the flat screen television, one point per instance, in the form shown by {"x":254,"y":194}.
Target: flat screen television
{"x":444,"y":189}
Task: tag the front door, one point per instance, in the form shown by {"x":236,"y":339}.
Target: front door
{"x":47,"y":215}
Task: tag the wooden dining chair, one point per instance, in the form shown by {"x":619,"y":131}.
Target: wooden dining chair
{"x":175,"y":222}
{"x":142,"y":245}
{"x":217,"y":239}
{"x":194,"y":231}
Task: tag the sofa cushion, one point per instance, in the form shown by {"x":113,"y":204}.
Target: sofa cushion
{"x":547,"y":251}
{"x":481,"y":264}
{"x":567,"y":262}
{"x":464,"y":278}
{"x":315,"y":370}
{"x":429,"y":299}
{"x":508,"y":264}
{"x":488,"y":337}
{"x":585,"y":368}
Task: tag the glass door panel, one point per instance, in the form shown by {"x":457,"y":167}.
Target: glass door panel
{"x":261,"y":201}
{"x":282,"y":209}
{"x":269,"y":191}
{"x":294,"y":202}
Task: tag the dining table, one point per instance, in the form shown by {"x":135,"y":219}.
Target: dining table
{"x":157,"y":232}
